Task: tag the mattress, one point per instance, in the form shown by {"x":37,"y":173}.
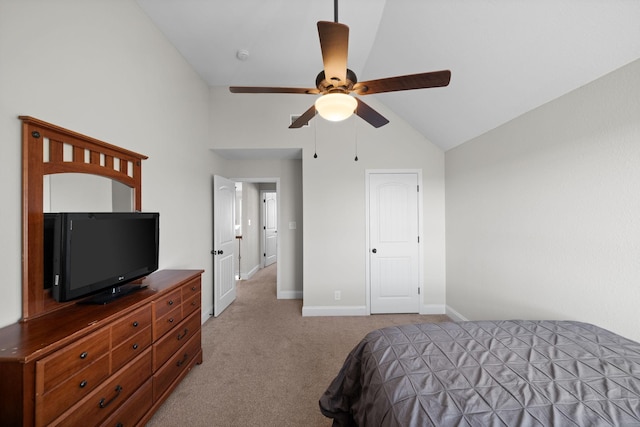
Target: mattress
{"x":488,"y":373}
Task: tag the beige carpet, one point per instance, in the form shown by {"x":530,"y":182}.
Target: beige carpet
{"x":265,"y":364}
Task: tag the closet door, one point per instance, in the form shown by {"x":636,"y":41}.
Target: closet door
{"x":394,"y":260}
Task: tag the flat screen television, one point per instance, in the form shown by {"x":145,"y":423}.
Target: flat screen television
{"x":97,"y":253}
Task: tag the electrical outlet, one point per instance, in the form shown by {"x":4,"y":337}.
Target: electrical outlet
{"x":337,"y":295}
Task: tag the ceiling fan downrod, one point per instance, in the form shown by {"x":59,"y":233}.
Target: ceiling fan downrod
{"x":335,"y":11}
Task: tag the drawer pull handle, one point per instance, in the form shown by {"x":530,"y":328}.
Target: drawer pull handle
{"x":135,"y":324}
{"x":170,"y":320}
{"x":135,"y":346}
{"x":119,"y":425}
{"x":180,"y":336}
{"x":193,"y":288}
{"x":184,"y":359}
{"x":83,"y":384}
{"x":170,"y":302}
{"x":104,"y":403}
{"x":193,"y":303}
{"x":84,"y":355}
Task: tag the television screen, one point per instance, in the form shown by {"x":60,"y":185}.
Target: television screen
{"x":98,"y":251}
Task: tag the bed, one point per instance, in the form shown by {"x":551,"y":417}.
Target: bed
{"x":488,"y":373}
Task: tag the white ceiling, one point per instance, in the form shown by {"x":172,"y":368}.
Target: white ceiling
{"x":506,"y":56}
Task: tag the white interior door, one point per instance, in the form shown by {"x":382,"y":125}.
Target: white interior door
{"x":270,"y":226}
{"x":224,"y":238}
{"x":394,"y":251}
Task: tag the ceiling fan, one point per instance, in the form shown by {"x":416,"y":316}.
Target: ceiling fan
{"x":336,"y":82}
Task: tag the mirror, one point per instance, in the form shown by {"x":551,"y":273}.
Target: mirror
{"x":64,"y":170}
{"x":79,"y":192}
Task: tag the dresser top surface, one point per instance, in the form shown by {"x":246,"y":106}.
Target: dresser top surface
{"x":25,"y":341}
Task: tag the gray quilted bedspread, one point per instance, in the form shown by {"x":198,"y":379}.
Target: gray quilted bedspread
{"x":513,"y":373}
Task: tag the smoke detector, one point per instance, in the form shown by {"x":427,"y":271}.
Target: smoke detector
{"x":242,"y":54}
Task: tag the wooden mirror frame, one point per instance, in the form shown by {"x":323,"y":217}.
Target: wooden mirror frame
{"x":89,"y":156}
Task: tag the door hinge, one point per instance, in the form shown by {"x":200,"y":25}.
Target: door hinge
{"x":418,"y":291}
{"x":418,"y":239}
{"x":264,"y":254}
{"x":418,"y":187}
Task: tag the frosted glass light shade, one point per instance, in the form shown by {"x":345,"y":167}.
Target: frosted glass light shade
{"x":336,"y":106}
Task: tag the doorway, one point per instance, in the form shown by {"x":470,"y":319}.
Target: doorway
{"x":258,"y":244}
{"x":245,"y":222}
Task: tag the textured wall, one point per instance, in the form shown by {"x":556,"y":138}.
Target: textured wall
{"x":103,"y":69}
{"x":543,"y":212}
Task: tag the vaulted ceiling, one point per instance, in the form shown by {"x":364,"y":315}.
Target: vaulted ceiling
{"x":506,"y":56}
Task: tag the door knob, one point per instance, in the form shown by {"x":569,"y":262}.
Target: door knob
{"x":374,"y":250}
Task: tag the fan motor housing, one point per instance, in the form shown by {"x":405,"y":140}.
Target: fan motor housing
{"x":326,"y":86}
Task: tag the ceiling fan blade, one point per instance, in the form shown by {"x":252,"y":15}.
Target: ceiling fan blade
{"x":334,"y":43}
{"x":304,"y":118}
{"x":408,"y":82}
{"x":370,"y":115}
{"x":255,"y":89}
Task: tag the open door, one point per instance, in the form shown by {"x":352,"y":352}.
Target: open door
{"x":270,"y":227}
{"x":224,"y":238}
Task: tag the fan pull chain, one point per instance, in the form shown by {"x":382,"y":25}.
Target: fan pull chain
{"x":355,"y":126}
{"x":315,"y":140}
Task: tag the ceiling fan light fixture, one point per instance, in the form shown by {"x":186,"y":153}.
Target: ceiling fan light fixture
{"x":336,"y":106}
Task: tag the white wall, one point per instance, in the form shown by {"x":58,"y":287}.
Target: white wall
{"x":334,"y":189}
{"x":543,"y":213}
{"x":99,"y":67}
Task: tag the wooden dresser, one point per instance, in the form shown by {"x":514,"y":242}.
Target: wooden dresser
{"x":110,"y":365}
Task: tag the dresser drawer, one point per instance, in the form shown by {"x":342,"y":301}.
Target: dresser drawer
{"x":131,"y":325}
{"x":68,"y":392}
{"x":176,"y":364}
{"x":166,"y":303}
{"x":107,"y":398}
{"x":170,"y":343}
{"x":191,"y":304}
{"x":57,"y":367}
{"x":130,"y":348}
{"x":191,"y":288}
{"x":165,"y":323}
{"x":133,"y":409}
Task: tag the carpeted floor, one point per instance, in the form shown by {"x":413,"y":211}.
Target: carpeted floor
{"x":265,"y":364}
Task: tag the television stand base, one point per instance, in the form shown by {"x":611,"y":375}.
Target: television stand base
{"x":111,"y":295}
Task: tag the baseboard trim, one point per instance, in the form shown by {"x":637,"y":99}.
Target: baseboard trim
{"x":455,"y":315}
{"x":433,"y":309}
{"x":206,"y":314}
{"x":357,"y":310}
{"x":250,"y":273}
{"x":289,"y":295}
